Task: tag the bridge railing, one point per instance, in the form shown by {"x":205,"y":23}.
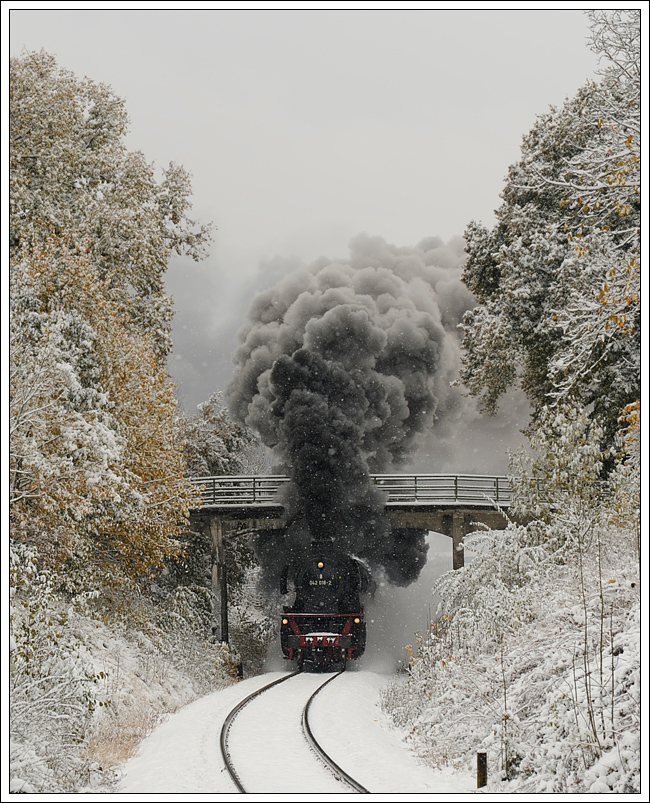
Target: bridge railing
{"x":431,"y":488}
{"x":400,"y":489}
{"x":234,"y":490}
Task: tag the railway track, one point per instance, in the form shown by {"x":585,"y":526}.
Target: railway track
{"x":271,"y":748}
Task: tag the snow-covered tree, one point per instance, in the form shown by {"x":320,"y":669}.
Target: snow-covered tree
{"x":536,"y":663}
{"x":557,"y":278}
{"x":562,"y":467}
{"x":96,"y":472}
{"x":625,"y":481}
{"x":65,"y":445}
{"x":97,"y":475}
{"x":52,"y":682}
{"x":70,"y":172}
{"x":535,"y":648}
{"x":214,"y":443}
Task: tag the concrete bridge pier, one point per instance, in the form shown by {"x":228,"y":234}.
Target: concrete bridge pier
{"x":219,"y":578}
{"x":221,"y":525}
{"x":459,"y":529}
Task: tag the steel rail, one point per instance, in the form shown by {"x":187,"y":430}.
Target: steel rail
{"x":223,"y":739}
{"x":329,"y":762}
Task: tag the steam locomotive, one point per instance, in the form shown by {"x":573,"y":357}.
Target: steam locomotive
{"x":325,"y":627}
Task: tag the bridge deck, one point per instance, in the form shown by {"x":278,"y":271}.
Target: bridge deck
{"x":401,"y":490}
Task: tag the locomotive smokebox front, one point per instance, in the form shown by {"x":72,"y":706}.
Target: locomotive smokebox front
{"x":324,"y":627}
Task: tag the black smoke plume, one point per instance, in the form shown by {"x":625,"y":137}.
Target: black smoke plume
{"x":340,"y":370}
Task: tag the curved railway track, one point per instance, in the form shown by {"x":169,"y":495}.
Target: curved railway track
{"x":327,"y":760}
{"x":333,"y":768}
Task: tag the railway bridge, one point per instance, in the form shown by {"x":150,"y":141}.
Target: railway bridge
{"x":451,"y":504}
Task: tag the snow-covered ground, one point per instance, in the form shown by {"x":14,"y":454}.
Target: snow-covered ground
{"x":182,"y":756}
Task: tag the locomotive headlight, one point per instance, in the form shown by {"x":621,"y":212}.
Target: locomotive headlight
{"x":357,"y":620}
{"x":320,"y":564}
{"x":285,"y":621}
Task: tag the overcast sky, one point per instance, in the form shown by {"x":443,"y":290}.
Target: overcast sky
{"x":303,"y":128}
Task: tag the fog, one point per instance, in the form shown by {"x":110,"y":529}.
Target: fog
{"x":395,"y":615}
{"x":304,"y":129}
